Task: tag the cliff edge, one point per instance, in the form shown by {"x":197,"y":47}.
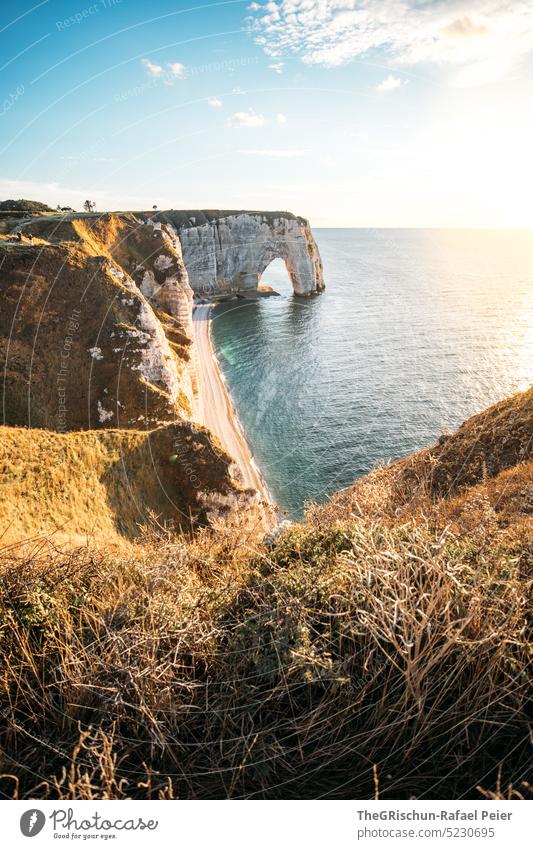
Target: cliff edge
{"x":224,"y":251}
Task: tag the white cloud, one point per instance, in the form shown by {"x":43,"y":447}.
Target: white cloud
{"x":389,"y":84}
{"x":153,"y":70}
{"x":281,"y":118}
{"x":275,"y":154}
{"x":277,"y":67}
{"x":482,"y":40}
{"x":248,"y":119}
{"x":177,"y":69}
{"x":465,"y":27}
{"x":214,"y":102}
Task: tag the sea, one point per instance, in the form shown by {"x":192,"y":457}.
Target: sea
{"x":416,"y":331}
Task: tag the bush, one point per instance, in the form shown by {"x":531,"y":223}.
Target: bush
{"x":22,"y":205}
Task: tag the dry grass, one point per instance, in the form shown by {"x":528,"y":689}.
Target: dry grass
{"x":382,"y":646}
{"x":104,"y":485}
{"x":331,"y":661}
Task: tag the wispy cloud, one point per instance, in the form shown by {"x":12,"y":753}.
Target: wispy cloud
{"x":275,"y":154}
{"x":482,"y":40}
{"x":153,"y":70}
{"x":177,"y":69}
{"x":281,"y":118}
{"x":173,"y":70}
{"x":389,"y":83}
{"x":248,"y":119}
{"x":465,"y":27}
{"x":214,"y":103}
{"x":277,"y":67}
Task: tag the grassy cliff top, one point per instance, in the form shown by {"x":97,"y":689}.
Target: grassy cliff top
{"x":183,"y":219}
{"x":106,"y":485}
{"x":179,"y":218}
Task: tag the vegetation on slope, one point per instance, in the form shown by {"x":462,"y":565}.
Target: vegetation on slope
{"x":107,"y":485}
{"x":482,"y":473}
{"x":335,"y":664}
{"x":22,"y":205}
{"x":369,"y":651}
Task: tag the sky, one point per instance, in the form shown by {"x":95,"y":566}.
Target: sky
{"x":352,"y":113}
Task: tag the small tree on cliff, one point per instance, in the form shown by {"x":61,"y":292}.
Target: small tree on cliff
{"x":89,"y":205}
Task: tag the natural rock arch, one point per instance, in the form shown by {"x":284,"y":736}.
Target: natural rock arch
{"x":230,"y":252}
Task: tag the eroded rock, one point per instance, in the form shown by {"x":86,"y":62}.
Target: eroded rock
{"x":229,"y":254}
{"x":81,"y":347}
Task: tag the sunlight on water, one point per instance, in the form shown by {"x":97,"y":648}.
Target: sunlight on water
{"x":417,"y":330}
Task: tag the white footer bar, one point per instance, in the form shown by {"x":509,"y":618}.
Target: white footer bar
{"x":268,"y":824}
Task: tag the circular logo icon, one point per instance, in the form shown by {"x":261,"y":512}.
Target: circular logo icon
{"x":32,"y":822}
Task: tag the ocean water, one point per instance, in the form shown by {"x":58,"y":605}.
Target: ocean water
{"x":416,"y":331}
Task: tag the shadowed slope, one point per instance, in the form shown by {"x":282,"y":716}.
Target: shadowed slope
{"x":106,"y":484}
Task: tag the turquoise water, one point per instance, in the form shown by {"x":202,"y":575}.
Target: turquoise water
{"x":416,"y":331}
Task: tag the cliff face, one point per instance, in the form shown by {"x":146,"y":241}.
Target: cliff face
{"x":81,"y":346}
{"x":229,"y":251}
{"x":96,"y":347}
{"x":129,"y":288}
{"x":96,"y":320}
{"x":147,"y":250}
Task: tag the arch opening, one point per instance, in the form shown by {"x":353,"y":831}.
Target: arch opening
{"x":276,"y":275}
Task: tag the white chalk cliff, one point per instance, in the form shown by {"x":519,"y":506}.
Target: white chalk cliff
{"x":229,"y":251}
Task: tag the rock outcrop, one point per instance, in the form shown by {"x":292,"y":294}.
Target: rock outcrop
{"x":227,"y":251}
{"x":215,"y":251}
{"x":149,"y":251}
{"x":81,"y":346}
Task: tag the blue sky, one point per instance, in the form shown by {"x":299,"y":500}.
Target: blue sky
{"x":350,"y":112}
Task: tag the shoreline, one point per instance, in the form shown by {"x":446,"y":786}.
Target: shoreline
{"x":216,"y":410}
